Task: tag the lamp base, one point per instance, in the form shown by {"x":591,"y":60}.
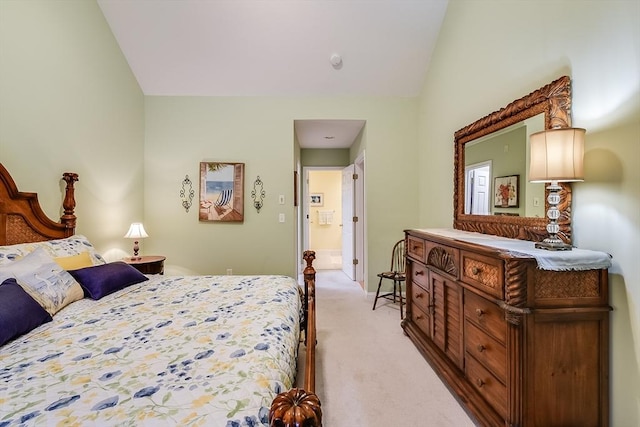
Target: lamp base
{"x":553,"y":245}
{"x":553,"y":242}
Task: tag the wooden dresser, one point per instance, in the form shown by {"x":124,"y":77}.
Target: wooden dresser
{"x":518,"y":345}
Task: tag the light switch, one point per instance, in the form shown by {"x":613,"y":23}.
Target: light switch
{"x":281,"y":199}
{"x":281,"y":217}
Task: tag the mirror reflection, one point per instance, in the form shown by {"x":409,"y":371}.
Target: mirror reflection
{"x":497,"y":170}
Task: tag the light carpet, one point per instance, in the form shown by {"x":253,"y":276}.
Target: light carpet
{"x":368,"y":373}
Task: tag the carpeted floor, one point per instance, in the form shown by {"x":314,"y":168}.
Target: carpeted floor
{"x":369,"y":374}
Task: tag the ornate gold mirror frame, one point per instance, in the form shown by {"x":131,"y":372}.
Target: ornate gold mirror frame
{"x":554,"y":100}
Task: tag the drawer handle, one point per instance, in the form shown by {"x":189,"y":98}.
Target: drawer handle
{"x":419,"y":273}
{"x":479,"y":312}
{"x":419,"y":317}
{"x":420,"y":295}
{"x":481,"y":348}
{"x":415,"y":248}
{"x":480,"y":382}
{"x":476,"y":271}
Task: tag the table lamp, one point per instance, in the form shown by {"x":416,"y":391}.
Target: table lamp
{"x":136,"y":231}
{"x":556,"y":156}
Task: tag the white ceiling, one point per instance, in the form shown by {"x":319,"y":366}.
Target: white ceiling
{"x":277,"y":47}
{"x":327,"y":133}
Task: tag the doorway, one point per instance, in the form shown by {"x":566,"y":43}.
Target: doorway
{"x":333,"y":220}
{"x":324,"y":226}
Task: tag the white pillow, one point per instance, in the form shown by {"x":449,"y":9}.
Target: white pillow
{"x":69,"y":246}
{"x":42,"y":278}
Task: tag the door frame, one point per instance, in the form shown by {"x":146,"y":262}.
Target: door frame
{"x":487,"y":164}
{"x":304,"y":199}
{"x":360,"y":249}
{"x":359,"y":209}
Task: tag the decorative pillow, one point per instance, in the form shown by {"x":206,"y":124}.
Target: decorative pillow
{"x":43,"y":279}
{"x":19,"y":313}
{"x":74,"y":262}
{"x":69,"y":246}
{"x":101,"y":280}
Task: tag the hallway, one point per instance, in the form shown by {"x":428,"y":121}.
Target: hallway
{"x":368,"y":373}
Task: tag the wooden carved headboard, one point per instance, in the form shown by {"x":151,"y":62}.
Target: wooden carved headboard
{"x":22,"y":220}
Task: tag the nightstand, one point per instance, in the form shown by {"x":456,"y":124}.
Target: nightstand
{"x":151,"y":264}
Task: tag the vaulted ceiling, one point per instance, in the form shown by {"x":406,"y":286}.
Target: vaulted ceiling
{"x":277,"y":47}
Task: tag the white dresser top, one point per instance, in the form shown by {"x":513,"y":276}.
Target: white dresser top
{"x":576,"y":259}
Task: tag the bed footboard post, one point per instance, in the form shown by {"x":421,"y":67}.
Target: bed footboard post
{"x":301,"y":407}
{"x":309,"y":277}
{"x":295,"y":408}
{"x":69,"y":203}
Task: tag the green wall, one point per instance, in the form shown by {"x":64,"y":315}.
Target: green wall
{"x":498,"y":59}
{"x":321,"y":157}
{"x":69,"y":102}
{"x":258,"y":131}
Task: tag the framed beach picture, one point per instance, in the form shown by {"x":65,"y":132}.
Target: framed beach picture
{"x":221,"y":191}
{"x":505,"y":191}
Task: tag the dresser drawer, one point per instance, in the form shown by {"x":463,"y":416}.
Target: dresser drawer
{"x":420,"y":297}
{"x":415,"y":248}
{"x":486,"y":350}
{"x":494,"y":392}
{"x":443,"y":258}
{"x":419,"y":274}
{"x":484,"y":273}
{"x":486,"y":315}
{"x":421,"y":319}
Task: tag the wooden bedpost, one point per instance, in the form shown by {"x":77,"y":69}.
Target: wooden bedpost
{"x":310,"y":319}
{"x":309,"y":276}
{"x":301,"y":407}
{"x":69,"y":203}
{"x":22,"y":218}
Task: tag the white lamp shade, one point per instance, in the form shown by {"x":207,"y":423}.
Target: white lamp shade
{"x":557,"y":155}
{"x":136,"y":231}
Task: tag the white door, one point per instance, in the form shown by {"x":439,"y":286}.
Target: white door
{"x":348,"y":241}
{"x":477,"y":189}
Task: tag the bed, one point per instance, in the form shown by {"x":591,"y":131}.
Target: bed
{"x":132,"y":349}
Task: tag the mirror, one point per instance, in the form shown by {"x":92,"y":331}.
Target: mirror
{"x":502,"y":157}
{"x":492,"y":194}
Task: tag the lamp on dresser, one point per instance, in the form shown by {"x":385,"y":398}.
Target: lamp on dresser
{"x":556,"y":156}
{"x":136,"y":231}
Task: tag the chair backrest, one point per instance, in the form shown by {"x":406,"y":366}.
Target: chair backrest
{"x":397,"y":257}
{"x":224,"y":198}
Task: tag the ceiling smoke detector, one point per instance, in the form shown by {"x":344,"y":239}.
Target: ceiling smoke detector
{"x":336,"y":60}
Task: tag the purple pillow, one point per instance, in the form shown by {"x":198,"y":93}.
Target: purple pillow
{"x":100,"y":280}
{"x":19,"y":313}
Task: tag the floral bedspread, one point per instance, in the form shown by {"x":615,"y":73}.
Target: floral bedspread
{"x":184,"y":350}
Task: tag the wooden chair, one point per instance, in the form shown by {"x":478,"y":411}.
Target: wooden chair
{"x":396,"y":273}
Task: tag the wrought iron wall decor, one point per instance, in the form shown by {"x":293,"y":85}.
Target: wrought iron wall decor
{"x":187,"y":193}
{"x":258,"y":194}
